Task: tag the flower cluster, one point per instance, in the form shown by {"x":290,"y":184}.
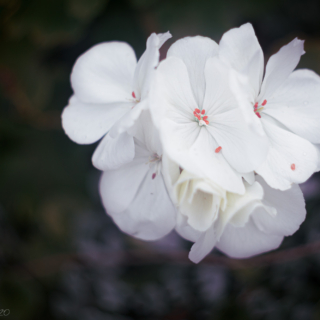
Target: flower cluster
{"x":205,"y":142}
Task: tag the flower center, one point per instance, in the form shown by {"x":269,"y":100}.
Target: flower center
{"x":134,"y":97}
{"x":155,"y":161}
{"x":201,"y":117}
{"x":257,"y":109}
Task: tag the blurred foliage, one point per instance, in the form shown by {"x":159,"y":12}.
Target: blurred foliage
{"x":49,"y":203}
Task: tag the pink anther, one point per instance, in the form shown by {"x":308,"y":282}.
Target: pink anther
{"x":293,"y":167}
{"x":203,"y":111}
{"x":153,"y":175}
{"x":264,"y":102}
{"x":218,"y":150}
{"x":133,"y":95}
{"x":197,"y":110}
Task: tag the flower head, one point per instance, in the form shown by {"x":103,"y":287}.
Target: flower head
{"x":285,"y":103}
{"x":110,"y":90}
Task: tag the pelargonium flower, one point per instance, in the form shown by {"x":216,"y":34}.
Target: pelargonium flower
{"x":201,"y":126}
{"x":286,"y":104}
{"x":110,"y":90}
{"x":135,"y":195}
{"x":238,"y":225}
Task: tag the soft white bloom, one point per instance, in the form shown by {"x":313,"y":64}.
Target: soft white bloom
{"x":201,"y":126}
{"x":135,"y":195}
{"x":238,"y":225}
{"x":110,"y":91}
{"x":286,"y":104}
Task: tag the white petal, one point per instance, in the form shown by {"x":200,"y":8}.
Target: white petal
{"x":202,"y":246}
{"x":171,"y":174}
{"x":318,"y":151}
{"x":119,"y":187}
{"x":172,"y":96}
{"x":147,"y":63}
{"x":247,"y":241}
{"x":279,"y":67}
{"x":194,"y":52}
{"x":150,"y":215}
{"x":240,"y":87}
{"x":239,"y":208}
{"x":104,"y":73}
{"x":125,"y":123}
{"x":240,"y":48}
{"x":193,"y":148}
{"x":112,"y":153}
{"x":296,"y":104}
{"x":146,"y":133}
{"x":218,"y":97}
{"x":249,"y":177}
{"x":87,"y":123}
{"x":185,"y":230}
{"x":290,"y":206}
{"x":286,"y":150}
{"x":243,"y":150}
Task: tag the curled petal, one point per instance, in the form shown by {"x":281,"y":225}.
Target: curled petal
{"x":247,"y":241}
{"x":112,"y":153}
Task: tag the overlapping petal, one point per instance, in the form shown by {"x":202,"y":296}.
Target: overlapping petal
{"x":138,"y":203}
{"x":112,"y":153}
{"x":291,"y":159}
{"x":296,"y":104}
{"x":147,"y":63}
{"x":240,"y":48}
{"x":290,"y":210}
{"x":194,"y":52}
{"x":243,"y":149}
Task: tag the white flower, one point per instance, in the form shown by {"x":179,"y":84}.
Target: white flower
{"x":110,"y":91}
{"x":135,"y":195}
{"x":243,"y":225}
{"x":286,"y":104}
{"x":201,"y":126}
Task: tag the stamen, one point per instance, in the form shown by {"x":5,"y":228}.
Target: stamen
{"x":256,"y":105}
{"x":153,"y":175}
{"x":133,"y":95}
{"x":200,"y":116}
{"x":258,"y":114}
{"x":218,"y":150}
{"x":264,"y":102}
{"x":293,"y":167}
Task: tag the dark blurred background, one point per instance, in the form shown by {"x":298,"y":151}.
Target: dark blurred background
{"x":61,"y":256}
